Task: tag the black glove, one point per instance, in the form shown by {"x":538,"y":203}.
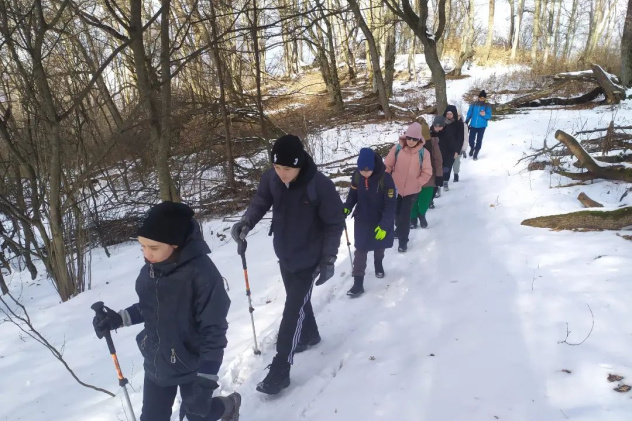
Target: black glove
{"x":325,"y":269}
{"x":105,"y":321}
{"x":199,"y":401}
{"x":439,"y":181}
{"x":239,"y":232}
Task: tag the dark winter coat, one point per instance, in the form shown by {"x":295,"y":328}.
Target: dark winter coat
{"x":184,"y":306}
{"x":451,"y":138}
{"x":375,"y":200}
{"x":304,"y":231}
{"x":432,"y":146}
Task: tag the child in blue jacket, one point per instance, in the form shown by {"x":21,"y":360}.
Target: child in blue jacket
{"x":373,"y":195}
{"x":478,"y":115}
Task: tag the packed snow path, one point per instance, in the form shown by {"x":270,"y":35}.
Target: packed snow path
{"x":466,"y":325}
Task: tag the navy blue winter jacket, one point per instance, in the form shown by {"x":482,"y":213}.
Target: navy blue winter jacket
{"x":375,"y":200}
{"x":184,"y":306}
{"x":304,"y":231}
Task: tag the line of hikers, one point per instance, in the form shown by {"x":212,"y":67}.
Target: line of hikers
{"x":182,"y":301}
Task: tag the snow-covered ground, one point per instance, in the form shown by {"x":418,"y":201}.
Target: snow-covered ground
{"x":468,"y":325}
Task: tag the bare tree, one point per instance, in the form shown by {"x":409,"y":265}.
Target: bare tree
{"x":515,"y":43}
{"x":490,"y":29}
{"x":535,"y":40}
{"x":467,"y":40}
{"x":626,"y":48}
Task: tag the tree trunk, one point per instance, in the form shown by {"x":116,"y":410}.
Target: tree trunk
{"x":614,"y":93}
{"x":570,"y":36}
{"x":516,"y":34}
{"x":626,"y":48}
{"x":512,"y":21}
{"x":3,"y":285}
{"x":373,"y":57}
{"x":167,"y":187}
{"x":585,"y":220}
{"x":255,"y":44}
{"x":550,"y":9}
{"x":467,"y":41}
{"x":587,"y":202}
{"x":230,"y":164}
{"x":389,"y":54}
{"x":556,"y":38}
{"x":490,"y":29}
{"x":536,"y":32}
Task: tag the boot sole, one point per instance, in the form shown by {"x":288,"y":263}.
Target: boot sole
{"x":379,"y":275}
{"x":274,"y":391}
{"x":355,"y":295}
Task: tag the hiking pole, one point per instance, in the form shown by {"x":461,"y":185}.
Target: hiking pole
{"x":250,"y":307}
{"x":349,"y":246}
{"x":98,"y":308}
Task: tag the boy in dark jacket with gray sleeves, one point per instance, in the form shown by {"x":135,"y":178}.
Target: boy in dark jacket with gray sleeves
{"x":183,"y":304}
{"x":307,"y":222}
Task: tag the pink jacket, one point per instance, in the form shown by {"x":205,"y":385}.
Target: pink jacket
{"x":408,"y":176}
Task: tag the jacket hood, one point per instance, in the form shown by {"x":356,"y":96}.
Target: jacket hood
{"x":455,"y":112}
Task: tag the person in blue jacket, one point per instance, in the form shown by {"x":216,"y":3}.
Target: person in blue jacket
{"x":373,"y":195}
{"x":183,"y":305}
{"x":478,"y":114}
{"x":307,"y":223}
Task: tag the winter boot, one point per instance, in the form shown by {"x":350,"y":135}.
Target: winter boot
{"x":413,"y":223}
{"x":231,"y":403}
{"x":358,"y":287}
{"x":476,"y":154}
{"x":379,"y":269}
{"x":422,"y":221}
{"x":307,"y":341}
{"x":456,"y":178}
{"x":438,"y":192}
{"x":445,"y":186}
{"x":431,"y":206}
{"x":471,"y":151}
{"x":278,"y":377}
{"x":402,"y":247}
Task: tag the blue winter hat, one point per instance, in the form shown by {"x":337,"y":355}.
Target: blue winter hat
{"x":366,"y":160}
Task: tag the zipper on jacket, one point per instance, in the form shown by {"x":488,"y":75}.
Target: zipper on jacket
{"x":175,"y":357}
{"x":142,"y":342}
{"x":366,"y":183}
{"x":151,"y":271}
{"x":157,"y":321}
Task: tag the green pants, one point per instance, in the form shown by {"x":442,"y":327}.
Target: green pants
{"x":423,"y":201}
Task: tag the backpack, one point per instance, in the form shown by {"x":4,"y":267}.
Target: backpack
{"x":421,"y":154}
{"x":380,"y":183}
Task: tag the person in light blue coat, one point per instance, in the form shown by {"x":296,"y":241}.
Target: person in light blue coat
{"x":478,"y":115}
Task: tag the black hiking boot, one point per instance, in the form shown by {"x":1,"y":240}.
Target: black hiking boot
{"x":413,"y":224}
{"x":379,"y":269}
{"x":278,"y":377}
{"x":358,"y":288}
{"x":471,"y":152}
{"x":422,"y":221}
{"x":402,"y":248}
{"x":456,"y":178}
{"x":476,"y":154}
{"x":232,"y":403}
{"x":306,"y":342}
{"x":431,"y":206}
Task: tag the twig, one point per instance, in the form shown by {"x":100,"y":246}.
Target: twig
{"x":568,"y":332}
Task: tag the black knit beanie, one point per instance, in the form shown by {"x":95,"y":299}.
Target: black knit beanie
{"x":482,"y":94}
{"x":288,"y":151}
{"x":167,"y":222}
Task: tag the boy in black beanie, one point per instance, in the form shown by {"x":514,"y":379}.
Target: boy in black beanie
{"x":307,"y":222}
{"x":479,"y":113}
{"x":183,"y":304}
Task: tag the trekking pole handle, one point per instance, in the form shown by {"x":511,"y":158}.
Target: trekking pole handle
{"x":98,"y":309}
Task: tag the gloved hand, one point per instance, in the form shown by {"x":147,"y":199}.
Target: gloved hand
{"x":199,"y":401}
{"x":439,"y":181}
{"x":325,"y":269}
{"x":464,"y":154}
{"x":380,"y":234}
{"x":346,"y":211}
{"x":239,"y":232}
{"x":105,"y":321}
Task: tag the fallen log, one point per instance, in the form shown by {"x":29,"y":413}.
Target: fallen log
{"x":587,"y":97}
{"x":614,"y":92}
{"x":585,"y":220}
{"x":532,"y":96}
{"x":594,"y":170}
{"x":588,"y":202}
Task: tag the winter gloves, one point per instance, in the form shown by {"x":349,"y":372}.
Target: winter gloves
{"x":439,"y":181}
{"x":325,"y":269}
{"x":199,"y":402}
{"x":239,"y":232}
{"x":380,"y":234}
{"x":105,"y":321}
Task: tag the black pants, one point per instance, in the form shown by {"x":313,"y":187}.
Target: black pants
{"x":158,"y":400}
{"x":447,"y":167}
{"x":476,"y":138}
{"x":298,"y":315}
{"x":360,"y":258}
{"x":402,"y":219}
